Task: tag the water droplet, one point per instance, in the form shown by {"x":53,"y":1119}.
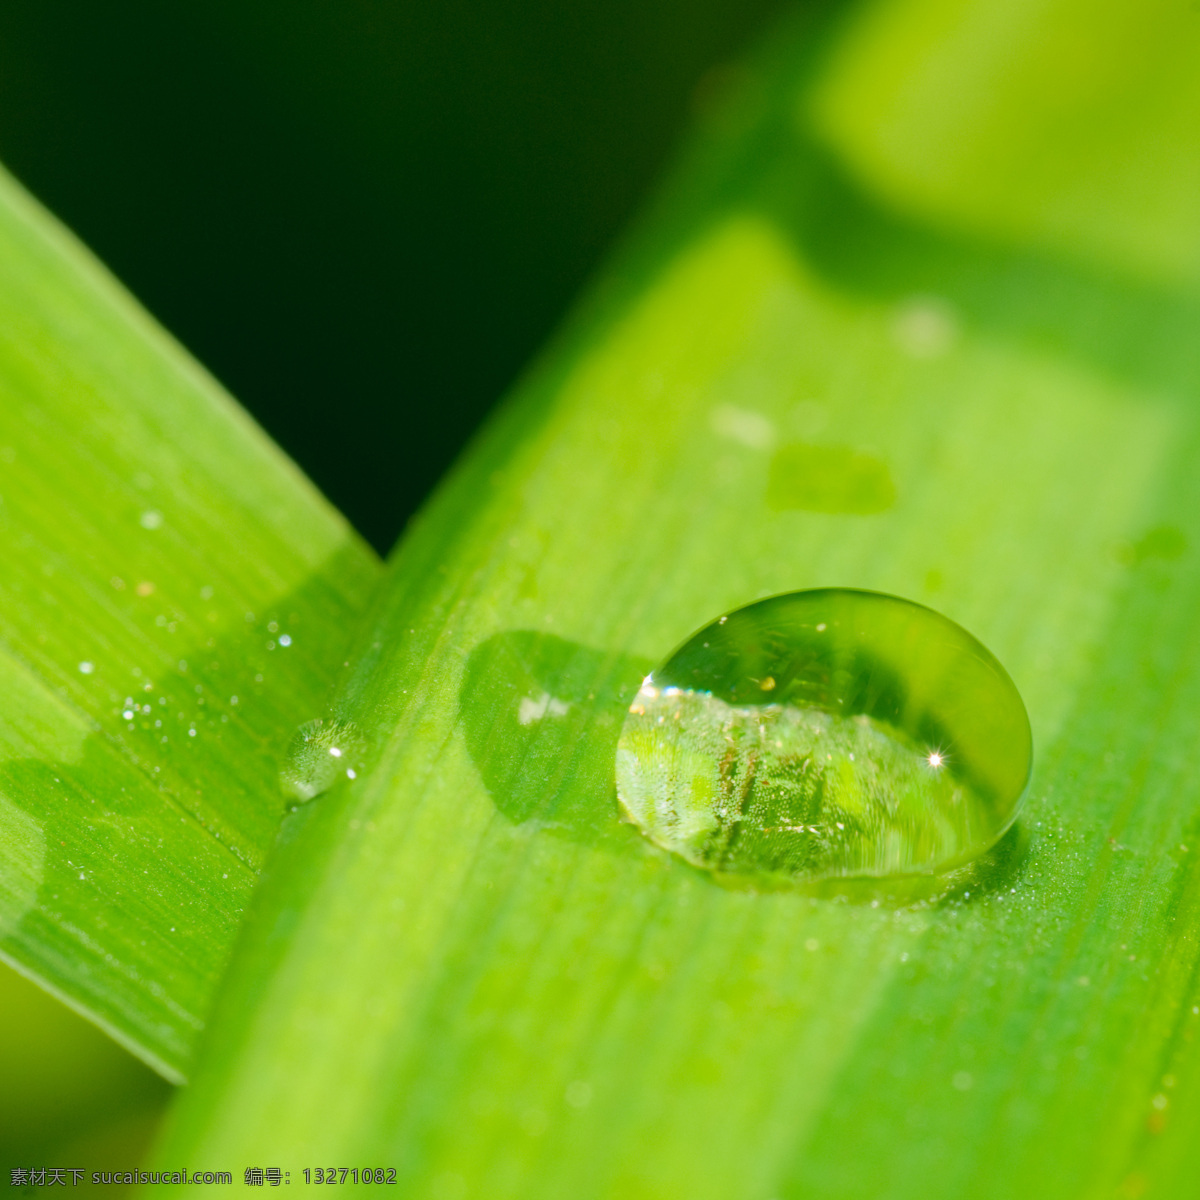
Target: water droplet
{"x":86,"y":668}
{"x":151,"y":519}
{"x":891,"y":742}
{"x":320,"y":753}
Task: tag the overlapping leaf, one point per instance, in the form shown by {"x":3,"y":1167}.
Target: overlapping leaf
{"x":174,"y":598}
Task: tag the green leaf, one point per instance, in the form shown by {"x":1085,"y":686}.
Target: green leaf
{"x":174,"y":598}
{"x":464,"y":966}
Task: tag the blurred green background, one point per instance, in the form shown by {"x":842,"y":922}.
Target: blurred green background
{"x":364,"y":217}
{"x":69,"y":1097}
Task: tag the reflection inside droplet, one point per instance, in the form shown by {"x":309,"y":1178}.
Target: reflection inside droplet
{"x":823,"y":734}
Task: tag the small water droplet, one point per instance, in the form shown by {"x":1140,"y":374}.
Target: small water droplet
{"x":320,"y":753}
{"x":151,"y":519}
{"x":891,"y":742}
{"x":285,"y":639}
{"x":86,"y":668}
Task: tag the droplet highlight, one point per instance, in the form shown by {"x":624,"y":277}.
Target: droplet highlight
{"x":825,"y":734}
{"x":320,"y":754}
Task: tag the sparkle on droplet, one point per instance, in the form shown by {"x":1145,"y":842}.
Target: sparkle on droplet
{"x":87,"y":668}
{"x":890,"y":743}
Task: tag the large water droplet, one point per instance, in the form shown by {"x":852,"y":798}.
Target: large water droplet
{"x":321,"y":753}
{"x":829,"y":733}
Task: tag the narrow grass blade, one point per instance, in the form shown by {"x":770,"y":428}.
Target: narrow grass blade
{"x":174,"y":598}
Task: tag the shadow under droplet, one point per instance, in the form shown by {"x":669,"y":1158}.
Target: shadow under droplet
{"x":542,"y":717}
{"x":1164,"y":543}
{"x":829,"y":479}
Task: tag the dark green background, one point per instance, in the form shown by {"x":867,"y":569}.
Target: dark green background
{"x":363,"y":216}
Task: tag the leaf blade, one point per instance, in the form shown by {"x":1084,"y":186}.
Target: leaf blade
{"x":554,"y":1008}
{"x":145,"y":518}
